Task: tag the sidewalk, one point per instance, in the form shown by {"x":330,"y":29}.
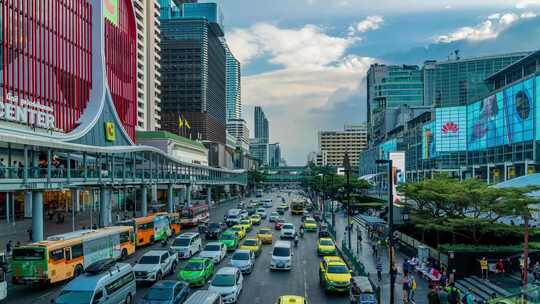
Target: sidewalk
{"x":364,"y":254}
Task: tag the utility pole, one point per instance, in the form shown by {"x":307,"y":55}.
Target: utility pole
{"x":388,"y":162}
{"x":347,"y":165}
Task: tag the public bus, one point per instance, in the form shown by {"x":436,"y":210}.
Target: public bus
{"x":149,"y":229}
{"x":195,"y":215}
{"x":297,"y":207}
{"x":64,"y":256}
{"x":174,"y":222}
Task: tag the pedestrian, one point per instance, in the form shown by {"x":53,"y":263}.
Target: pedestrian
{"x":2,"y":168}
{"x":443,"y":295}
{"x":8,"y":248}
{"x":20,"y":169}
{"x":18,"y":244}
{"x":484,"y":268}
{"x":374,"y":248}
{"x":405,"y":285}
{"x":14,"y":169}
{"x":379,"y":270}
{"x":499,"y":267}
{"x":468,"y":298}
{"x":406,"y":266}
{"x":412,"y":289}
{"x":29,"y":231}
{"x":432,"y":296}
{"x":453,"y":294}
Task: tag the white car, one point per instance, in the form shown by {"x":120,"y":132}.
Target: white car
{"x":274,"y":216}
{"x":282,"y":256}
{"x":187,"y":244}
{"x":243,"y":260}
{"x":262,"y":212}
{"x":228,"y":282}
{"x":154,"y":265}
{"x":244,"y":214}
{"x":215,"y":251}
{"x":287,"y":231}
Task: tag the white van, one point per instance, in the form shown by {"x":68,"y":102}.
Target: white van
{"x":282,"y":256}
{"x":187,"y":244}
{"x":233,"y":217}
{"x":105,"y":282}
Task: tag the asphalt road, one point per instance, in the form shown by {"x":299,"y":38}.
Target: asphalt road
{"x":262,"y":286}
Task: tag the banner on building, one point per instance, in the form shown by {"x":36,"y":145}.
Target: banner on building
{"x":398,"y":173}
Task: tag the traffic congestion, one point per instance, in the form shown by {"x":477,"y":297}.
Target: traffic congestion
{"x":267,"y":248}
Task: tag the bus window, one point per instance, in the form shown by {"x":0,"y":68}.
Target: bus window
{"x":28,"y":254}
{"x":124,"y":237}
{"x":68,"y":253}
{"x":149,"y":225}
{"x":57,"y":254}
{"x":77,"y":251}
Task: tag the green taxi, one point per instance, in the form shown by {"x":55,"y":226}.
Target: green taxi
{"x":230,"y":239}
{"x":197,"y":271}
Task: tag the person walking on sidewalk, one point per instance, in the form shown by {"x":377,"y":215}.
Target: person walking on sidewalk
{"x":406,"y":288}
{"x":432,"y":296}
{"x":412,"y":289}
{"x":379,"y":270}
{"x":443,"y":295}
{"x":453,"y":294}
{"x":8,"y":248}
{"x":484,"y":268}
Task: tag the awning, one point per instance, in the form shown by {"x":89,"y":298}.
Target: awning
{"x":368,"y":220}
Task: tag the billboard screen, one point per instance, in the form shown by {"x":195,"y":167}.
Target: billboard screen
{"x":450,"y":129}
{"x":398,"y":172}
{"x":518,"y":106}
{"x":387,"y":147}
{"x":485,"y":121}
{"x":428,"y":141}
{"x":537,"y":99}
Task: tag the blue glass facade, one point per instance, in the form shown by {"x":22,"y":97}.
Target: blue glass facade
{"x":233,"y":85}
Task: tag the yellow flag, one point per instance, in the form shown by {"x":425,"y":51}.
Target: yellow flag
{"x":180,"y":122}
{"x":187,"y":124}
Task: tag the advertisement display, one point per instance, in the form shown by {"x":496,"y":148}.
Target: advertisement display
{"x":398,"y":172}
{"x":162,"y":228}
{"x":485,"y":121}
{"x":451,"y":129}
{"x":428,"y":141}
{"x":519,"y":107}
{"x":387,"y":147}
{"x":537,"y":99}
{"x":101,"y":248}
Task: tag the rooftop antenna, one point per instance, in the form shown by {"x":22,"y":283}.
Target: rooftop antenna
{"x":456,"y":52}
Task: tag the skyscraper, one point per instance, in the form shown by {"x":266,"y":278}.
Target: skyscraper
{"x":233,"y":80}
{"x":193,"y":69}
{"x":274,"y":154}
{"x":261,"y":124}
{"x":334,"y":144}
{"x":148,"y":56}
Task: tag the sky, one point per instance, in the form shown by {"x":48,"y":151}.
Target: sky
{"x":305,"y":61}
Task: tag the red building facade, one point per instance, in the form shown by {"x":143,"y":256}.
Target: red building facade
{"x":46,"y":62}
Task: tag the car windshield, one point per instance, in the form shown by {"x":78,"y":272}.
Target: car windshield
{"x":158,"y":294}
{"x":310,"y":222}
{"x":149,"y":259}
{"x":194,"y":266}
{"x":74,"y":297}
{"x":245,"y":222}
{"x":326,"y":243}
{"x":228,"y":236}
{"x":338,"y":269}
{"x":250,"y":242}
{"x":265,"y":231}
{"x":223,"y":280}
{"x":213,"y":247}
{"x":281,"y":221}
{"x":241,"y":256}
{"x":181,"y":242}
{"x":281,"y":252}
{"x":214,"y":226}
{"x":288,"y":226}
{"x":274,"y":214}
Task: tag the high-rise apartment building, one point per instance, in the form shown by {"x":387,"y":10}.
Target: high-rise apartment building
{"x":334,"y":144}
{"x":261,"y":124}
{"x":239,"y":129}
{"x":274,"y":155}
{"x":193,"y":70}
{"x":258,"y":148}
{"x":147,"y":14}
{"x":457,"y":81}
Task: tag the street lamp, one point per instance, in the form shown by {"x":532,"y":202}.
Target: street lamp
{"x":388,"y":162}
{"x":347,"y":166}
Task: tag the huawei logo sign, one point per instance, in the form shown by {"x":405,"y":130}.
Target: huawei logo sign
{"x":450,"y":127}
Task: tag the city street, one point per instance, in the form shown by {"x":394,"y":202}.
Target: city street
{"x":262,"y":286}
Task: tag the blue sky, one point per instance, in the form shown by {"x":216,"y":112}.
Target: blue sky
{"x":305,"y":61}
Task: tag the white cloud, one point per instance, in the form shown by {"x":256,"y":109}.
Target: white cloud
{"x":313,"y":66}
{"x":490,"y":28}
{"x":370,"y":23}
{"x":527,"y":3}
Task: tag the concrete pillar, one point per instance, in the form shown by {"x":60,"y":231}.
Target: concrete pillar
{"x":188,"y":195}
{"x":505,"y":175}
{"x":180,"y":195}
{"x":144,"y":201}
{"x":75,"y":199}
{"x":37,"y":216}
{"x":170,"y":200}
{"x":153,"y":202}
{"x":488,"y":175}
{"x":209,"y":195}
{"x":104,"y":207}
{"x":28,"y":204}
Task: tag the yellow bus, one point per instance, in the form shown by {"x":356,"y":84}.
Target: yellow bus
{"x":149,"y":229}
{"x":65,"y":256}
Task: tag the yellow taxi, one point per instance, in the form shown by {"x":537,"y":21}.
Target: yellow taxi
{"x":247,"y":223}
{"x":265,"y":235}
{"x":255,"y":219}
{"x":284,"y":206}
{"x":326,"y":246}
{"x":253,"y":244}
{"x":310,"y":224}
{"x":334,"y":275}
{"x":240,"y":229}
{"x":291,"y":300}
